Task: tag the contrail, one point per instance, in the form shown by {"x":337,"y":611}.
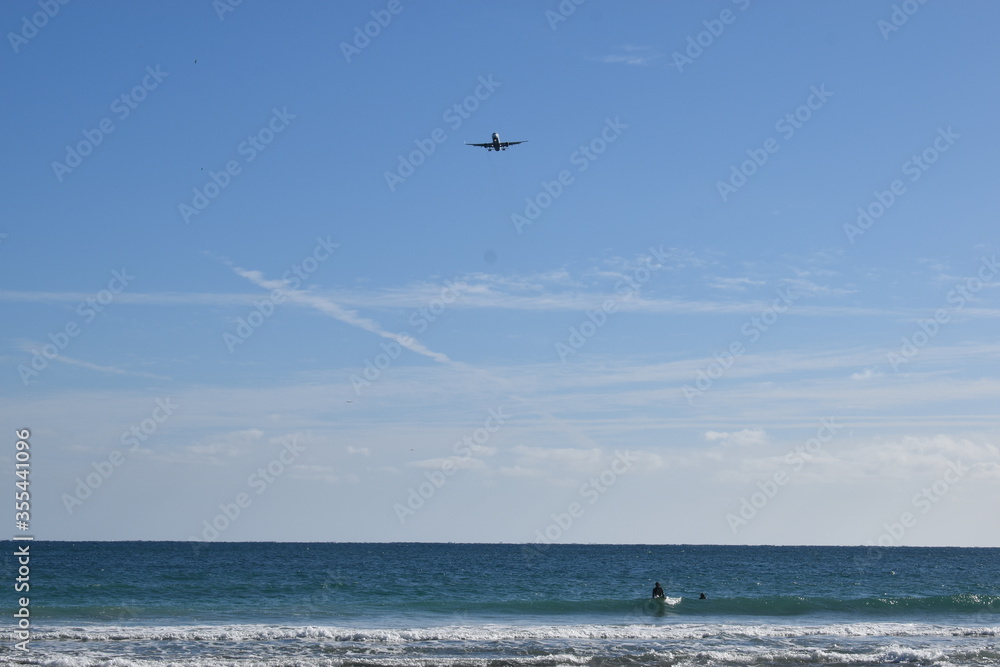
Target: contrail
{"x":337,"y":312}
{"x":328,"y":307}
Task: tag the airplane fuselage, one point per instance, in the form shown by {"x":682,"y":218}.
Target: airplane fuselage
{"x":495,"y":144}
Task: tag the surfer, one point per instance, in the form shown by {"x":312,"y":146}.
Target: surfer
{"x":657,"y":591}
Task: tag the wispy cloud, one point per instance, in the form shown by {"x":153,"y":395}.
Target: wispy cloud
{"x":30,"y":348}
{"x":134,"y":298}
{"x":744,"y":438}
{"x":577,"y":289}
{"x":477,"y":295}
{"x":630,"y":54}
{"x":810,"y":288}
{"x":561,"y":459}
{"x":218,"y":449}
{"x":456,"y":462}
{"x":735,"y":284}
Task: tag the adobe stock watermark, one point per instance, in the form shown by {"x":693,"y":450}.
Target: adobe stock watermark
{"x":928,"y":329}
{"x":249,"y":149}
{"x":625,"y":289}
{"x":454,"y":115}
{"x":914,"y":168}
{"x":87,"y":310}
{"x":591,"y":491}
{"x":259,"y":481}
{"x":925,"y":500}
{"x":796,"y":458}
{"x":122,"y":107}
{"x":787,"y":126}
{"x":581,"y":158}
{"x":103,"y":470}
{"x":223,"y":7}
{"x":381,"y":18}
{"x":420,"y":319}
{"x":752,"y":330}
{"x":900,"y":15}
{"x":293,"y":279}
{"x":464,"y":451}
{"x":697,"y":44}
{"x":564,"y":10}
{"x":30,"y":25}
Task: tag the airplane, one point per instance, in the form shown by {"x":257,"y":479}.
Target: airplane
{"x":497,"y":145}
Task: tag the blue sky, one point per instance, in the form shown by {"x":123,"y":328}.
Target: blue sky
{"x":740,"y":285}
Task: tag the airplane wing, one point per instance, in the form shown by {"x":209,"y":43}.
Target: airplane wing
{"x":505,"y":144}
{"x":480,"y":145}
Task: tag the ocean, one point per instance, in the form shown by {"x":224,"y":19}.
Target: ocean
{"x":180,"y":603}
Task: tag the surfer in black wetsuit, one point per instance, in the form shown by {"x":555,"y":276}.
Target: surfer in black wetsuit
{"x":657,"y":591}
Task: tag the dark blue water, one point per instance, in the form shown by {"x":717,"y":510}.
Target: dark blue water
{"x":271,"y":604}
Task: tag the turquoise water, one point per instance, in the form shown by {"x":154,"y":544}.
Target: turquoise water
{"x":138,"y":603}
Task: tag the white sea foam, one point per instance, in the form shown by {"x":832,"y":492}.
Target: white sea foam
{"x":703,"y":644}
{"x":682,"y":655}
{"x":486,"y":633}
